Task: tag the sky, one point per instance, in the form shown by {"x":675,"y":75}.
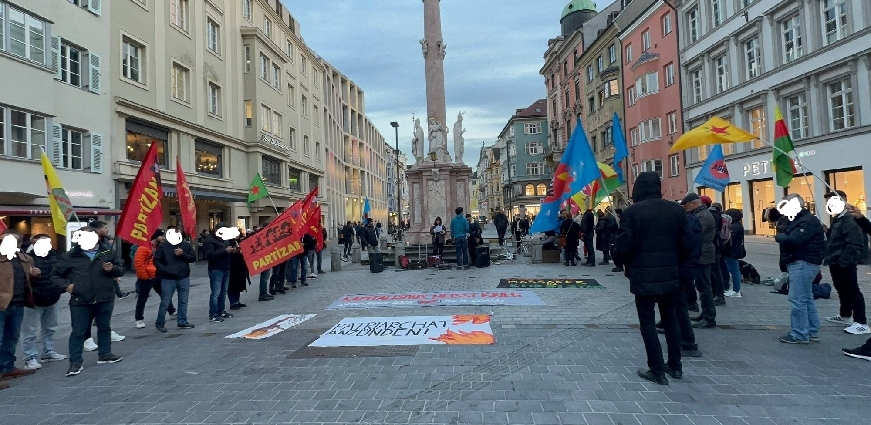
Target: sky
{"x":495,"y":49}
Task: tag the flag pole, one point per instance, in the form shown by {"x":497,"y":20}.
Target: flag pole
{"x":273,"y":203}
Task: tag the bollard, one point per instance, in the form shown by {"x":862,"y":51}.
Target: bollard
{"x":355,"y":253}
{"x":336,"y":258}
{"x":535,"y":248}
{"x":399,"y":252}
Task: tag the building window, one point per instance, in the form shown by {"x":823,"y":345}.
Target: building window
{"x":71,"y":149}
{"x":265,"y":115}
{"x":271,"y":172}
{"x":139,"y":140}
{"x":529,"y":190}
{"x":534,"y":169}
{"x":841,"y":104}
{"x":541,"y":189}
{"x":630,"y":94}
{"x":791,"y":30}
{"x":267,"y":27}
{"x":693,"y":24}
{"x":577,"y":90}
{"x":629,"y":53}
{"x":208,"y":158}
{"x":669,"y":74}
{"x":303,"y":68}
{"x":304,"y":106}
{"x":566,"y":98}
{"x":276,"y":77}
{"x":611,"y":88}
{"x":246,"y":9}
{"x":590,"y":73}
{"x":294,"y":179}
{"x":796,"y":107}
{"x":654,"y":165}
{"x":565,"y":67}
{"x":288,"y":49}
{"x":753,"y":58}
{"x":633,"y":135}
{"x":247,"y":58}
{"x":600,"y":64}
{"x":532,"y":128}
{"x":717,"y":12}
{"x":607,"y":137}
{"x":26,"y":36}
{"x":305,"y":145}
{"x":214,"y":99}
{"x":672,"y":122}
{"x":757,"y":126}
{"x":291,"y":138}
{"x":722,"y":69}
{"x":591,"y":104}
{"x":647,"y":84}
{"x":318,"y":151}
{"x":213,"y":36}
{"x":612,"y":54}
{"x":645,"y":41}
{"x":277,"y":125}
{"x":666,"y":24}
{"x":70,"y":64}
{"x":264,"y":67}
{"x":178,"y":14}
{"x":249,"y":114}
{"x":697,"y":85}
{"x":835,"y":18}
{"x":674,"y":165}
{"x":533,"y":148}
{"x":180,"y":79}
{"x":316,"y":113}
{"x":291,"y":95}
{"x":649,"y":130}
{"x":131,"y":60}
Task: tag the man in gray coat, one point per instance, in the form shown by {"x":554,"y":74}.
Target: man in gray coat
{"x":692,"y":203}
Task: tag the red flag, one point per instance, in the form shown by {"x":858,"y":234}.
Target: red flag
{"x":142,"y":212}
{"x":186,"y":205}
{"x":314,"y":226}
{"x":280,"y":240}
{"x":2,"y":226}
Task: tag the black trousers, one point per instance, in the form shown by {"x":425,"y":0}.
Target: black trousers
{"x":717,"y":278}
{"x":687,"y":335}
{"x":81,"y":317}
{"x":645,"y":306}
{"x":591,"y":251}
{"x":706,"y":295}
{"x":847,"y":285}
{"x":473,"y":243}
{"x":347,"y":247}
{"x":501,"y":232}
{"x":144,"y":287}
{"x":438,"y":249}
{"x":517,"y":235}
{"x":277,"y":279}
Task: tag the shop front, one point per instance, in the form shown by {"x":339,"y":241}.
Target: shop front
{"x":36,"y":219}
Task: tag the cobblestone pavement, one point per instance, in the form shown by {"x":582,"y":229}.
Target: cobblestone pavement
{"x":570,"y":362}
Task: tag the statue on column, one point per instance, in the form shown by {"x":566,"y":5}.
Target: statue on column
{"x":424,"y":46}
{"x":438,"y":141}
{"x":417,"y":142}
{"x":459,"y":147}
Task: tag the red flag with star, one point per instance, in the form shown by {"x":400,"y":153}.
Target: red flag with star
{"x":257,"y":190}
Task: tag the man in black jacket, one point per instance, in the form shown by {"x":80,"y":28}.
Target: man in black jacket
{"x":843,"y":253}
{"x":173,"y":260}
{"x":45,"y":298}
{"x":653,"y":241}
{"x":501,"y":223}
{"x":863,"y":351}
{"x":348,"y":238}
{"x":89,"y":271}
{"x":217,"y":251}
{"x":588,"y":229}
{"x":692,"y":203}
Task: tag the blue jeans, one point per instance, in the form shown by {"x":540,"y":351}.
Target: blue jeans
{"x":264,"y":281}
{"x":46,"y":319}
{"x":734,"y":271}
{"x":168,"y":288}
{"x":219,"y":281}
{"x":81,"y":317}
{"x":297,"y":265}
{"x":804,"y":318}
{"x":462,"y":245}
{"x":10,"y":331}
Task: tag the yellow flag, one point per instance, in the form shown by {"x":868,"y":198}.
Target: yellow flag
{"x":61,"y":207}
{"x":714,"y":132}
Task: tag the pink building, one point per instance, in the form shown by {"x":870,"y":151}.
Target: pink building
{"x":651,"y":78}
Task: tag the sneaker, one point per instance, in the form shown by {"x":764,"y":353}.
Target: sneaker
{"x":117,"y":338}
{"x":32,"y":364}
{"x":312,"y":276}
{"x":304,"y":284}
{"x":124,"y":295}
{"x":160,"y":328}
{"x":690,"y":353}
{"x":186,"y":326}
{"x":109,"y":358}
{"x":75,"y":369}
{"x":694,"y":308}
{"x":90,"y":345}
{"x":648,"y":375}
{"x":265,"y":297}
{"x":733,"y":294}
{"x":235,"y":307}
{"x":863,"y":352}
{"x":140,"y":324}
{"x":858,"y":329}
{"x":789,"y":339}
{"x":52,"y":356}
{"x":216,"y":319}
{"x":846,"y":321}
{"x":240,"y":305}
{"x":617,"y":270}
{"x":171,"y":313}
{"x":226,"y":315}
{"x":815,"y":338}
{"x":705,"y":324}
{"x":675,"y":374}
{"x":719,"y":301}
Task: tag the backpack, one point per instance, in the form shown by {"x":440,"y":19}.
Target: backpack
{"x":725,"y":229}
{"x":133,"y":250}
{"x":781,"y":284}
{"x":403,"y":261}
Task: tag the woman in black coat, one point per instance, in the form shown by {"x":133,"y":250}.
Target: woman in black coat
{"x":573,"y":236}
{"x":238,"y":279}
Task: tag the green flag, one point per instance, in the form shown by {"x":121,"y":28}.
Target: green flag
{"x":784,"y":168}
{"x":257,"y":190}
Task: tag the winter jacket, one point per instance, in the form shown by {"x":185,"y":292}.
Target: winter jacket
{"x":459,"y":226}
{"x":573,"y":235}
{"x":500,"y":221}
{"x":475,"y":230}
{"x":437,"y":238}
{"x":348,"y":233}
{"x":143,"y":263}
{"x":370,"y":236}
{"x":215,"y":250}
{"x":654,"y":239}
{"x":802,"y":239}
{"x":7,"y":280}
{"x":588,"y":224}
{"x":171,"y":266}
{"x":309,"y":242}
{"x":603,"y":234}
{"x":709,"y":233}
{"x":844,"y":242}
{"x":690,"y":264}
{"x":564,"y":227}
{"x":91,"y":284}
{"x":45,"y":293}
{"x":735,"y":247}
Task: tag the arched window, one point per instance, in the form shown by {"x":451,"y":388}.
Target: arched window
{"x":530,"y":190}
{"x":542,"y":189}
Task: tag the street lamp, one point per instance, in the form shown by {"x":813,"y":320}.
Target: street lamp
{"x":395,"y":126}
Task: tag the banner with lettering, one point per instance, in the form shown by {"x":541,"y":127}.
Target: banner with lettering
{"x":186,"y":206}
{"x":471,"y":329}
{"x":436,"y":299}
{"x":271,"y":327}
{"x":280,"y":240}
{"x":142,"y":213}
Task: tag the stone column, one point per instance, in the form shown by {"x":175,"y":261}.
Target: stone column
{"x":434,"y":57}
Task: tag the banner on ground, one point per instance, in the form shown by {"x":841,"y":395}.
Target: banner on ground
{"x":272,"y":326}
{"x":472,"y":329}
{"x":436,"y":299}
{"x":549,"y":283}
{"x":142,"y":212}
{"x":280,"y":240}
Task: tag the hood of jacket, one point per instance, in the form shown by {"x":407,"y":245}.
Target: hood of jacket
{"x":736,"y":214}
{"x":647,"y":186}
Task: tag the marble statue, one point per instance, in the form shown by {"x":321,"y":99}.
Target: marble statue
{"x":438,"y":141}
{"x":417,"y":142}
{"x":442,"y":47}
{"x":459,"y":147}
{"x":424,"y":46}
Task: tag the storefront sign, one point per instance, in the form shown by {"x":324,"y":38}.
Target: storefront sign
{"x":74,"y":194}
{"x":269,"y":140}
{"x":761,"y":168}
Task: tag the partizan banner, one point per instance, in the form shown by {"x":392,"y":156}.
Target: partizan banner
{"x":427,"y":299}
{"x":473,"y":329}
{"x":280,"y":240}
{"x":272,"y":326}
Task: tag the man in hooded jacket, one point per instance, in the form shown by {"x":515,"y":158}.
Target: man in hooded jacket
{"x":653,"y":241}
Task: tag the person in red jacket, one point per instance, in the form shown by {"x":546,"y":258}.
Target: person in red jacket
{"x":146,"y":274}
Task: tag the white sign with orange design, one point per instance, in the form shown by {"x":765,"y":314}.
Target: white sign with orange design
{"x":272,"y":326}
{"x":470,"y":329}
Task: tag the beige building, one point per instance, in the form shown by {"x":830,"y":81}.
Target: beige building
{"x":54,"y":93}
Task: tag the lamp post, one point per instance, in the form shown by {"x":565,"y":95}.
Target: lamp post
{"x":508,"y":159}
{"x":395,"y":126}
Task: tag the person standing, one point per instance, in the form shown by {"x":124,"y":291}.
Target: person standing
{"x":588,"y":229}
{"x":347,"y":238}
{"x":218,"y":252}
{"x":320,"y":250}
{"x":653,"y":241}
{"x":603,"y":237}
{"x":264,"y":278}
{"x":844,"y":247}
{"x":474,"y":238}
{"x":438,"y":237}
{"x":693,"y":205}
{"x":16,"y":294}
{"x":573,"y":238}
{"x":45,"y":299}
{"x":89,"y":272}
{"x":802,"y":246}
{"x":295,"y":267}
{"x":613,"y":226}
{"x":734,"y":251}
{"x":146,"y":277}
{"x":172,"y":259}
{"x":501,"y":223}
{"x":359,"y":231}
{"x":460,"y":232}
{"x":310,"y":244}
{"x":863,"y":351}
{"x":238,"y":281}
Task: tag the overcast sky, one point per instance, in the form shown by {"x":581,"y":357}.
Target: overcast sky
{"x":494,"y":51}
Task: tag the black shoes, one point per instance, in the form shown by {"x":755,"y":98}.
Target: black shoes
{"x":161,"y":329}
{"x":186,"y":326}
{"x":675,"y":374}
{"x":109,"y":358}
{"x":226,"y":315}
{"x":697,"y":318}
{"x":303,"y":284}
{"x":705,"y":324}
{"x":693,"y":308}
{"x":690,"y":353}
{"x":321,"y":272}
{"x":75,"y":369}
{"x":617,"y":270}
{"x":266,"y":297}
{"x":719,"y":301}
{"x":648,"y":375}
{"x":604,"y":263}
{"x":235,"y":307}
{"x":863,"y":352}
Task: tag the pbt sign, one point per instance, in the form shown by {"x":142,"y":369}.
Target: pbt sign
{"x":760,"y":168}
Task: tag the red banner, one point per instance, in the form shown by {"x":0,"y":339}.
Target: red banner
{"x":187,"y":209}
{"x":281,"y":239}
{"x":142,"y":212}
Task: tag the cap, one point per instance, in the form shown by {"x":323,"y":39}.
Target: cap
{"x":840,"y":193}
{"x":158,"y":233}
{"x":706,"y":200}
{"x":689,"y":198}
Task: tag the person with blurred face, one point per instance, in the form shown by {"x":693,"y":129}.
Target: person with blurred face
{"x":16,"y":273}
{"x":44,"y":313}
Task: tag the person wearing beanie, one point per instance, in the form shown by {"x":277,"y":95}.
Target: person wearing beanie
{"x":146,"y":277}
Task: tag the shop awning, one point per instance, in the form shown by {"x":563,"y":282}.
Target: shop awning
{"x":170,"y":192}
{"x":40,"y":210}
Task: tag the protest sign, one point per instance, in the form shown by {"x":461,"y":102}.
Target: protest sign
{"x":473,"y":329}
